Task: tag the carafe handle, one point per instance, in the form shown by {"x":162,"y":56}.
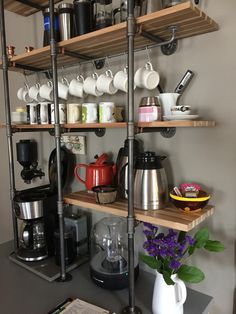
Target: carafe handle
{"x":76,"y":172}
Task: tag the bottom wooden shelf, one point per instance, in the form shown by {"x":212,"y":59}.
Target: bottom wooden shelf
{"x":169,"y":217}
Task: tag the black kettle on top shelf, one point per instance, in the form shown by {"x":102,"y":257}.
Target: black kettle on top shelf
{"x":122,"y":167}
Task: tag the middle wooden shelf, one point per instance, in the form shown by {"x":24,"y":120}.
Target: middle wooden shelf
{"x":139,"y":125}
{"x":169,"y":217}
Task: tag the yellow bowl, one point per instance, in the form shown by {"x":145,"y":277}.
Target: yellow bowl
{"x":189,"y":204}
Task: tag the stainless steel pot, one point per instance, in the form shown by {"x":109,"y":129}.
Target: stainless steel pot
{"x":150,"y":183}
{"x":29,"y":206}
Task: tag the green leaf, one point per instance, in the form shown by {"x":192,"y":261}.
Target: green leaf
{"x":151,"y":261}
{"x":214,"y":246}
{"x":191,"y":250}
{"x":190,"y":274}
{"x":167,"y":278}
{"x":181,"y":236}
{"x":201,"y":237}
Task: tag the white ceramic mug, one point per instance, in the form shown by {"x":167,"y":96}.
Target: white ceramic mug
{"x":105,"y":83}
{"x":33,"y":117}
{"x":34,"y":93}
{"x":43,"y":112}
{"x":90,"y":85}
{"x":76,"y":87}
{"x":146,"y":77}
{"x":74,"y":113}
{"x":20,"y":93}
{"x":23,"y":94}
{"x":62,"y":114}
{"x":89,"y":113}
{"x":46,"y":91}
{"x":168,"y":100}
{"x":106,"y":112}
{"x":63,"y":88}
{"x":120,"y":80}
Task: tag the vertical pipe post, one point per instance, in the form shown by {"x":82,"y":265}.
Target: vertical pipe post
{"x":53,"y":47}
{"x":8,"y":121}
{"x":131,"y":308}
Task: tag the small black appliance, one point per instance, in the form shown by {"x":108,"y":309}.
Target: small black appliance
{"x":109,"y":261}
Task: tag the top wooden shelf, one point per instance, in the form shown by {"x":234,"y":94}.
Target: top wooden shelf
{"x":169,"y":217}
{"x":24,"y":9}
{"x":112,"y":40}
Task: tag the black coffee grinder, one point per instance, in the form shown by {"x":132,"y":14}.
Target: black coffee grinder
{"x":37,"y":207}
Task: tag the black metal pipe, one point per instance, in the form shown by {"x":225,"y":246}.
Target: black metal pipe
{"x":130,"y":135}
{"x":57,"y":139}
{"x":8,"y":121}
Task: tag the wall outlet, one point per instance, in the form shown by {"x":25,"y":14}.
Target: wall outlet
{"x":74,"y":143}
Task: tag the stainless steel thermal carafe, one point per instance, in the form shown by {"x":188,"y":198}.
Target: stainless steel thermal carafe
{"x":150,"y":183}
{"x":65,"y":11}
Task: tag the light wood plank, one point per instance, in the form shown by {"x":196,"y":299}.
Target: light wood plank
{"x":169,"y":217}
{"x":23,"y":9}
{"x":184,"y":123}
{"x":113,"y":40}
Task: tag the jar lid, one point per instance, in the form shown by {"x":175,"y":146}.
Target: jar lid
{"x":149,"y":101}
{"x":65,"y":6}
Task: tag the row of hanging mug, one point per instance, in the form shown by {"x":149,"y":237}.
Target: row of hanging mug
{"x":95,"y":85}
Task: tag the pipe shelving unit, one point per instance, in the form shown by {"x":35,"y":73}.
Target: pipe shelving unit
{"x":64,"y":276}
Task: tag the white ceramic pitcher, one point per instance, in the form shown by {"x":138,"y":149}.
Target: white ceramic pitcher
{"x":168,"y":298}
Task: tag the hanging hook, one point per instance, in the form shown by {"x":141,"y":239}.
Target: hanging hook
{"x":108,"y":63}
{"x":148,"y":55}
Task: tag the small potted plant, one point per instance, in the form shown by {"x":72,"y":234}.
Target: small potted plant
{"x":167,"y":254}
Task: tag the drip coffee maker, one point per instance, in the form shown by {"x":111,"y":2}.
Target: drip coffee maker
{"x":36,"y":208}
{"x":109,"y":262}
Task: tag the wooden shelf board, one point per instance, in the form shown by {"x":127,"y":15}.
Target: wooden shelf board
{"x":23,"y":9}
{"x":140,"y":125}
{"x":183,"y":123}
{"x":95,"y":125}
{"x":113,"y":40}
{"x":69,"y":126}
{"x":169,"y":217}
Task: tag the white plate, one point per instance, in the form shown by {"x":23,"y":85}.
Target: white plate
{"x":181,"y":117}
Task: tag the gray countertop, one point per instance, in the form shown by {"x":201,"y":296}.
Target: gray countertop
{"x":23,"y":292}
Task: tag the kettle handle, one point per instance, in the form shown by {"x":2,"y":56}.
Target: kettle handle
{"x":76,"y":172}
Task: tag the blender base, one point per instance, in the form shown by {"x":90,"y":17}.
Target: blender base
{"x":129,"y":310}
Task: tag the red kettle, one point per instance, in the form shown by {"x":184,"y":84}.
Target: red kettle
{"x":97,"y":173}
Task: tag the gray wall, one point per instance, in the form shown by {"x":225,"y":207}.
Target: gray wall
{"x":203,"y":155}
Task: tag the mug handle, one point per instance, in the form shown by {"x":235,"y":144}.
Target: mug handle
{"x":80,"y":78}
{"x":76,"y":172}
{"x":109,"y":73}
{"x":149,"y":66}
{"x":95,"y":75}
{"x":64,"y":80}
{"x":183,"y":291}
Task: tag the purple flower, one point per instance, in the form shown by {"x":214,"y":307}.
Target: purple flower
{"x":174,"y":264}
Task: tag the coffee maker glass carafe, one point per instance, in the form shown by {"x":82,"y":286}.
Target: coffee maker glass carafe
{"x":33,"y":246}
